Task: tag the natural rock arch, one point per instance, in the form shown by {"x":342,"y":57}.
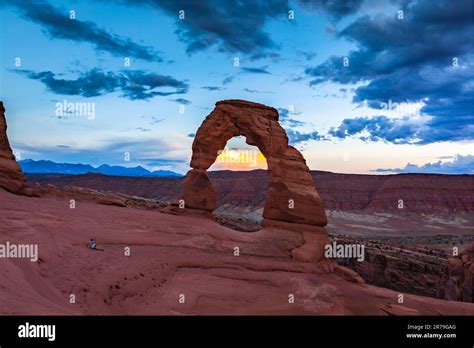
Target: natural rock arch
{"x":291,"y":194}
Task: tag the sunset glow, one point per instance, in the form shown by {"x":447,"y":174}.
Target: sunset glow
{"x":240,"y":159}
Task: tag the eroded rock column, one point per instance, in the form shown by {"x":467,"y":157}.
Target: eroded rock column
{"x":291,"y":194}
{"x":11,"y":175}
{"x":198,"y":191}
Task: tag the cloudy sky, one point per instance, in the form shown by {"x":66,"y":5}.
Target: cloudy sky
{"x":362,"y":86}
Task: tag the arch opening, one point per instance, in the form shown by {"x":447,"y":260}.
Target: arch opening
{"x":238,"y":155}
{"x":239,"y":176}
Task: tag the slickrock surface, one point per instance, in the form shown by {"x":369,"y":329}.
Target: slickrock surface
{"x":408,"y":254}
{"x":172,"y":255}
{"x":11,"y":176}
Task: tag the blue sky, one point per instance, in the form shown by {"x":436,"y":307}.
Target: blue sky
{"x":362,"y":86}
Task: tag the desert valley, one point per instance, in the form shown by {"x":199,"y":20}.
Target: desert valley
{"x":159,"y":258}
{"x":253,"y":171}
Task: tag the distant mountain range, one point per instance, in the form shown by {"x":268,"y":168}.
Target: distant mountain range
{"x":50,"y":167}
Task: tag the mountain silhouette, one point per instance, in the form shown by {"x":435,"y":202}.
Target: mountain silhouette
{"x":44,"y":166}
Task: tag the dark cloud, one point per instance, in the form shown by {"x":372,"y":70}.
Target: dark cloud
{"x":134,"y":84}
{"x":296,"y":137}
{"x":204,"y":107}
{"x":460,"y":165}
{"x":213,"y":88}
{"x":334,"y":8}
{"x":397,"y":131}
{"x":250,"y":90}
{"x":411,"y":60}
{"x":182,"y":101}
{"x":448,"y":96}
{"x":245,"y":70}
{"x":156,"y":120}
{"x":57,"y":25}
{"x":228,"y":80}
{"x":235,"y":27}
{"x":287,"y":120}
{"x":294,"y":78}
{"x":262,"y":70}
{"x":141,"y":129}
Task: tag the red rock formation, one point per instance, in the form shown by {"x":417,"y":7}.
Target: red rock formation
{"x":315,"y":238}
{"x":11,"y":176}
{"x":430,"y":194}
{"x":291,"y":194}
{"x":173,"y":255}
{"x":200,"y":193}
{"x":391,"y":267}
{"x":459,"y":277}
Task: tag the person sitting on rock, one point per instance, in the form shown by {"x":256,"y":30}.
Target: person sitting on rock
{"x":91,"y":244}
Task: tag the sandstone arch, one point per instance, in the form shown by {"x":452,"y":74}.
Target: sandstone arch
{"x":290,"y":178}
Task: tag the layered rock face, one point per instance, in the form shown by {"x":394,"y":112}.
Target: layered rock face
{"x":459,"y":277}
{"x":11,"y":176}
{"x":429,"y":194}
{"x":406,"y":270}
{"x":291,"y":195}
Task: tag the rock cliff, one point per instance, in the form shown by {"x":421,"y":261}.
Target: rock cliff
{"x":11,"y":176}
